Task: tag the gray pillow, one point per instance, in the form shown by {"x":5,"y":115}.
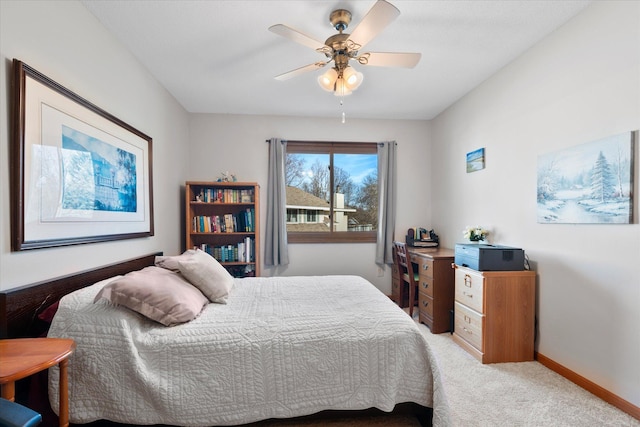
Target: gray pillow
{"x":158,"y":294}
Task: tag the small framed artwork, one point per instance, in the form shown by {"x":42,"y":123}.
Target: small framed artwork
{"x":475,"y":160}
{"x":590,"y":183}
{"x":79,"y":174}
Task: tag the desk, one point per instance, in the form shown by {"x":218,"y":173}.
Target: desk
{"x":436,"y":287}
{"x":22,"y":357}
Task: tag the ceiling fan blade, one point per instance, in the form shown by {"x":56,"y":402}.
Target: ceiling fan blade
{"x":294,"y":73}
{"x":390,"y":59}
{"x":296,"y":36}
{"x":379,"y":16}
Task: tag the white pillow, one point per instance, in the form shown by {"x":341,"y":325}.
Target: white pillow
{"x":205,"y":273}
{"x":171,"y":262}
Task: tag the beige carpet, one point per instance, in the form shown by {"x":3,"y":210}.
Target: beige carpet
{"x":515,"y":394}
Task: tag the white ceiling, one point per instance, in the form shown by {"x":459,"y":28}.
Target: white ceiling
{"x":218,"y":56}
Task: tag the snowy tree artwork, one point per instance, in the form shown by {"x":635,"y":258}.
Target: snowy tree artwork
{"x":588,"y":183}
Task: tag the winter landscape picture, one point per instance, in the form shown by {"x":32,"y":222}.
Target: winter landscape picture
{"x":96,"y":175}
{"x":588,"y":183}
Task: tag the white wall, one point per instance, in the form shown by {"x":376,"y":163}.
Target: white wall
{"x":237,"y":143}
{"x":62,"y":40}
{"x":580,"y":84}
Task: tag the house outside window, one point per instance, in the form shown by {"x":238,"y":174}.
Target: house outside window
{"x":333,"y":188}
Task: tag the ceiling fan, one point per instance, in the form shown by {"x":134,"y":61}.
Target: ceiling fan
{"x":342,"y":48}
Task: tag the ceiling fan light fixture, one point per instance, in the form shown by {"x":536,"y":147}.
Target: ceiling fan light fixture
{"x":352,"y":78}
{"x":341,"y":88}
{"x":327,"y":80}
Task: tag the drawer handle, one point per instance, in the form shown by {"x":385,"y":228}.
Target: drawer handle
{"x":425,"y":303}
{"x":468,"y":295}
{"x":467,"y":280}
{"x":467,"y":319}
{"x":425,"y":266}
{"x":467,"y":330}
{"x":425,"y":285}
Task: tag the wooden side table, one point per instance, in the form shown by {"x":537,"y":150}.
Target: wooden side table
{"x":22,"y":357}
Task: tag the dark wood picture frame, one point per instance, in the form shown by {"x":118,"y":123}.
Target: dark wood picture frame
{"x":78,"y":174}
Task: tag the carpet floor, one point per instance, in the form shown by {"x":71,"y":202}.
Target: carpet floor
{"x":523,"y":394}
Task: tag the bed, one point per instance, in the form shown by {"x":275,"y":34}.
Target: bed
{"x":280,"y":347}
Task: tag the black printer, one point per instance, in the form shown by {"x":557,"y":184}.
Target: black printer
{"x":485,"y":257}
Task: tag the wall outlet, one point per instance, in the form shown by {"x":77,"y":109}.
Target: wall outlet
{"x":380,"y":272}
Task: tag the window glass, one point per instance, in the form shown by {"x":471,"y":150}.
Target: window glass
{"x":292,"y":215}
{"x":333,"y":188}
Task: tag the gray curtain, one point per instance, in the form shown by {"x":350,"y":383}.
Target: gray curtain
{"x":386,"y":201}
{"x":276,"y":250}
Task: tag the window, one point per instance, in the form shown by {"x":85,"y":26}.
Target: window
{"x":292,"y":215}
{"x":312,"y":216}
{"x":333,"y":189}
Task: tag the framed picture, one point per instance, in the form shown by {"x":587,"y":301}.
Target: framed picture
{"x":588,"y":183}
{"x":78,"y":174}
{"x":475,"y":160}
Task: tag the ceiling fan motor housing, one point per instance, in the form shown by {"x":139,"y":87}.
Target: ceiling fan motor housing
{"x":340,"y":19}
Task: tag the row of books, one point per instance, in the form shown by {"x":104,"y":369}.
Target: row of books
{"x":240,"y":252}
{"x":242,"y":222}
{"x":225,"y":195}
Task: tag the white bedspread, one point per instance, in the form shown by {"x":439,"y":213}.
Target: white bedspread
{"x":281,"y":347}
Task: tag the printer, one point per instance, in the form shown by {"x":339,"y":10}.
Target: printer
{"x":485,"y":257}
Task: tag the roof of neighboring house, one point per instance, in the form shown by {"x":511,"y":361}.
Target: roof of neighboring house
{"x":297,"y":197}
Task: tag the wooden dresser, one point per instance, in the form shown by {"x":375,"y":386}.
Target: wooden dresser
{"x":495,"y":314}
{"x":435,"y":288}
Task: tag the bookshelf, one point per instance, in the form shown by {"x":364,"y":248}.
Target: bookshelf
{"x":223,"y":219}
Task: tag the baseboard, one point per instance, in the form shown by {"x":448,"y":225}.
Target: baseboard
{"x":590,"y":386}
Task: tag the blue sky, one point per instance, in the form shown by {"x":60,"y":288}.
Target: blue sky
{"x":359,"y":166}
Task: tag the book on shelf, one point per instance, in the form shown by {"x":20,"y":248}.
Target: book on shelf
{"x":228,"y":223}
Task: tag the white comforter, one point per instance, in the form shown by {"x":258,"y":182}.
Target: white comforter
{"x":281,"y":347}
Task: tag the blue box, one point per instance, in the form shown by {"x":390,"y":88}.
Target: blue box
{"x":484,"y":257}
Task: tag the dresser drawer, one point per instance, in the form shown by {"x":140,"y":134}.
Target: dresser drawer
{"x":470,"y":289}
{"x":425,"y":304}
{"x":468,"y":325}
{"x":426,"y":285}
{"x":425,"y":267}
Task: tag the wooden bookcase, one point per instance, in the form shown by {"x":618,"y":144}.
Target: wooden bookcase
{"x":223,"y":219}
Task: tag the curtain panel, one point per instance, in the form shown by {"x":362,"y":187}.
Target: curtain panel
{"x":276,"y":250}
{"x":386,"y":201}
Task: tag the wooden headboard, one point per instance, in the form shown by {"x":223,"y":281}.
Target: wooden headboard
{"x":19,"y":307}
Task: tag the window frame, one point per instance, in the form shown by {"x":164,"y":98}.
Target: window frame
{"x":331,"y":148}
